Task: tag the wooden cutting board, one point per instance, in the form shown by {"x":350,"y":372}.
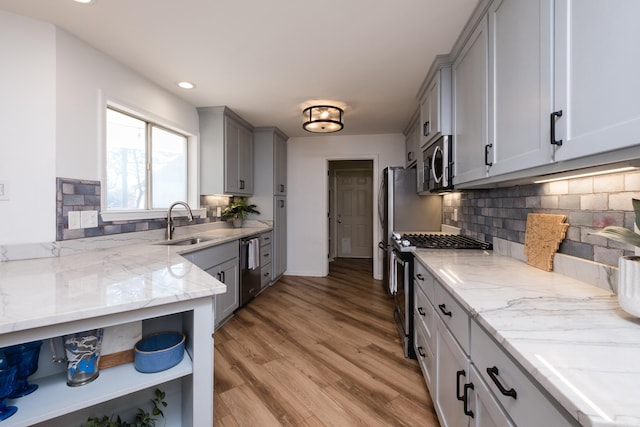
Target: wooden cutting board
{"x":543,"y":236}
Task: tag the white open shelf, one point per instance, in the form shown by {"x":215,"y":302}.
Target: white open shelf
{"x":54,"y":397}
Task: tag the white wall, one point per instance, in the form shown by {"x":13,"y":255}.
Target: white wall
{"x":307,"y":204}
{"x":28,"y":123}
{"x":54,"y":89}
{"x":86,"y":79}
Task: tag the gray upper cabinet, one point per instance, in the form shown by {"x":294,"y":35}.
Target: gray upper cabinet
{"x":271,"y":190}
{"x":545,"y":86}
{"x":470,"y":97}
{"x":435,"y":101}
{"x":520,"y":84}
{"x":411,"y":138}
{"x":597,"y":76}
{"x":226,"y":152}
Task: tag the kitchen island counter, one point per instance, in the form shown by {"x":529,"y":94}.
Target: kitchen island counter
{"x":110,"y":281}
{"x":571,"y":337}
{"x":103,"y":276}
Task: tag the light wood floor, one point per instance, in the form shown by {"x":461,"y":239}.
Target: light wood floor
{"x":318,"y":352}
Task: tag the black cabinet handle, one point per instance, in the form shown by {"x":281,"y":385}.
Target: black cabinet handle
{"x":425,"y":129}
{"x":421,"y":311}
{"x":242,"y":184}
{"x":486,"y":155}
{"x":219,"y":276}
{"x":458,"y":375}
{"x":266,"y":274}
{"x":282,"y":188}
{"x":282,"y":203}
{"x":443,"y":309}
{"x":421,"y":352}
{"x":420,"y":277}
{"x":552,"y":125}
{"x":467,"y":411}
{"x":224,"y":277}
{"x":493,"y":374}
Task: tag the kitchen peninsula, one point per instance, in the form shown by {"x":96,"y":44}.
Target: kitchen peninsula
{"x":568,"y":339}
{"x":147,"y":282}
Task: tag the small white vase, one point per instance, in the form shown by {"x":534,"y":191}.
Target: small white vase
{"x":629,"y":284}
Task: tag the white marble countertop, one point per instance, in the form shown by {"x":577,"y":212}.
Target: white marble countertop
{"x":570,"y":336}
{"x":102,"y":276}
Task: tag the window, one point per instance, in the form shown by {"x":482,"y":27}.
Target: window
{"x":146,"y":165}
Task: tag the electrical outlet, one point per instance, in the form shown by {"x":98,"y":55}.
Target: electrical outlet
{"x":88,"y":219}
{"x":74,"y":220}
{"x":4,"y":190}
{"x":455,"y":214}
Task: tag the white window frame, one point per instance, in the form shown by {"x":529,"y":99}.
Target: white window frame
{"x":193,"y":188}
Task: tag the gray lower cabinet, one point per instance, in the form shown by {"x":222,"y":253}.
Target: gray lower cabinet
{"x":270,"y":151}
{"x":472,"y":380}
{"x":221,"y":262}
{"x":265,"y":259}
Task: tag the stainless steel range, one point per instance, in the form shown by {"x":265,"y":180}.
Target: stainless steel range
{"x":402,"y":277}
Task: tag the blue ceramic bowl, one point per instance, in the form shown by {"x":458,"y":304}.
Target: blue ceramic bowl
{"x":158,"y":352}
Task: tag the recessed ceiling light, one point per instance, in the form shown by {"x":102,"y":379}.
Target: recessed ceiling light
{"x":186,"y":85}
{"x":83,"y":1}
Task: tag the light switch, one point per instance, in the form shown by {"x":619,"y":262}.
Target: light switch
{"x":74,"y":220}
{"x":88,"y":219}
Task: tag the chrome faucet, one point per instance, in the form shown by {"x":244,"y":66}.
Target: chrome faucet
{"x":170,"y":227}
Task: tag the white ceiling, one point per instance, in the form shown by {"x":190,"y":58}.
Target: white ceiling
{"x":266,"y":58}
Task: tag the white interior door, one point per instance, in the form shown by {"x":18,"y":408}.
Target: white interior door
{"x":353,"y":214}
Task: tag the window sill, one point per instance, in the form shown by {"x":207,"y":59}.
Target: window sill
{"x":148,"y":214}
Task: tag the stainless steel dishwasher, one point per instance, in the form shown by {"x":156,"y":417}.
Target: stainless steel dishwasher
{"x":249,"y":269}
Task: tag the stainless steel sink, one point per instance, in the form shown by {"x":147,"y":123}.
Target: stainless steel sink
{"x":186,"y":241}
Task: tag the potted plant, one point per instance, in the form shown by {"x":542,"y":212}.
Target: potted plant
{"x":238,"y":209}
{"x":628,"y":266}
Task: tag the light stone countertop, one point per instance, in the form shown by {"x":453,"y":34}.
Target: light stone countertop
{"x":572,"y":337}
{"x":109,"y":275}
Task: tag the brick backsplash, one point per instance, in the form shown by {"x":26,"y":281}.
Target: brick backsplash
{"x":589,"y":203}
{"x":84,"y":195}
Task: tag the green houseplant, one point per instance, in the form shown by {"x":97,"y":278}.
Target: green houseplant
{"x":628,"y":266}
{"x":143,"y":418}
{"x":238,"y":209}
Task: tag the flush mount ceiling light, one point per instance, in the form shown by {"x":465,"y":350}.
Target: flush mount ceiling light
{"x":322,"y":119}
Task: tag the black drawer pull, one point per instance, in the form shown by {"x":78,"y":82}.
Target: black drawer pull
{"x":443,"y":309}
{"x":493,"y":374}
{"x":467,"y":411}
{"x":421,"y":311}
{"x":421,"y":352}
{"x":554,"y":115}
{"x":458,"y":375}
{"x":420,"y":277}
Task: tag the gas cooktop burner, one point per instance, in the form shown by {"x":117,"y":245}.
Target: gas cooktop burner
{"x":444,"y":241}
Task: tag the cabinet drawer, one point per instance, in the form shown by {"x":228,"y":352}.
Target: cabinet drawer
{"x":453,"y":315}
{"x":424,"y":315}
{"x":265,"y":255}
{"x":265,"y":239}
{"x":265,"y":275}
{"x":424,"y":354}
{"x":423,"y":279}
{"x":527,"y":405}
{"x":209,"y":257}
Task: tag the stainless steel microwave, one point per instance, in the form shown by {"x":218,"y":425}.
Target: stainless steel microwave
{"x":438,"y":165}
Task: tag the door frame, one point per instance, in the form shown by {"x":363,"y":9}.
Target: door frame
{"x":377,"y":259}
